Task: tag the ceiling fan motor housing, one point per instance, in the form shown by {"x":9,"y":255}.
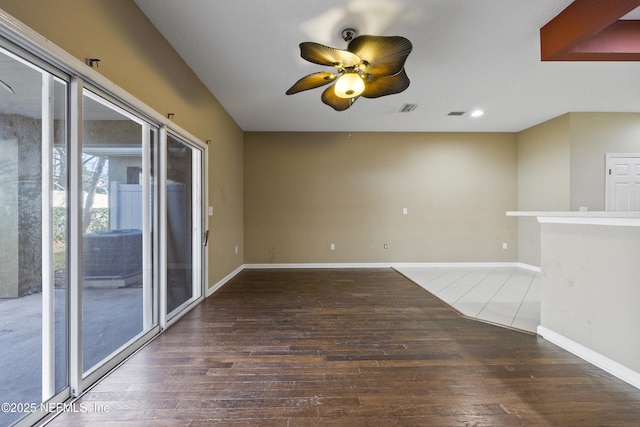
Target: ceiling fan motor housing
{"x":348,"y":34}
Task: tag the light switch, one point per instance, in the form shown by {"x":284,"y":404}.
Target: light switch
{"x":405,"y":211}
{"x":210,"y":210}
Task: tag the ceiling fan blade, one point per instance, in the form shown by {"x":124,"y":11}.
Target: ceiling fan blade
{"x":325,"y":55}
{"x":330,"y":98}
{"x":386,"y":85}
{"x":312,"y":81}
{"x":385,"y":56}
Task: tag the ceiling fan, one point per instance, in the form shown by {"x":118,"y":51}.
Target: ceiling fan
{"x":372,"y":66}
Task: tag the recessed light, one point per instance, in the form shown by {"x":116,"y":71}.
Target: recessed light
{"x":477,"y":113}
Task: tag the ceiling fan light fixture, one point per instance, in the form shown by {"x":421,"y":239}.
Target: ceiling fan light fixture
{"x":349,"y":85}
{"x":371,"y":66}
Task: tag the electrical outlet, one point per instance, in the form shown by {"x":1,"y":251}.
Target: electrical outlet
{"x":504,"y":245}
{"x":333,"y":247}
{"x":386,"y":246}
{"x":405,"y":211}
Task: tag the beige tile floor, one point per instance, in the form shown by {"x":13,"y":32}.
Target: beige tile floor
{"x":506,"y":296}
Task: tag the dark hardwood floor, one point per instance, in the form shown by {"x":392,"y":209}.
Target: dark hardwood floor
{"x":349,"y":348}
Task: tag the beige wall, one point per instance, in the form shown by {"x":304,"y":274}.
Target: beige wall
{"x":543,"y":180}
{"x":593,"y":135}
{"x":561,"y":166}
{"x":586,"y":300}
{"x":304,"y":191}
{"x":135,"y":56}
{"x":543,"y":166}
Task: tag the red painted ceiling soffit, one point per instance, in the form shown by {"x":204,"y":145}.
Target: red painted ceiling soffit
{"x":591,"y":30}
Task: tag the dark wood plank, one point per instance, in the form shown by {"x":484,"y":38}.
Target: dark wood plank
{"x":349,"y":348}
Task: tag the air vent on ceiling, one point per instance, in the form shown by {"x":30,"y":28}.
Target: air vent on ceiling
{"x":406,"y":108}
{"x":456,"y":113}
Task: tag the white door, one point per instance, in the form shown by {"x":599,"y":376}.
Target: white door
{"x":623,"y":182}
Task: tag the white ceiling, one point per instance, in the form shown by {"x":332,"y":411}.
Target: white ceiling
{"x":466,"y":55}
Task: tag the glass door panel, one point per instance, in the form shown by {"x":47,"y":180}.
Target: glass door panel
{"x":116,"y":221}
{"x":33,"y":235}
{"x":183,"y":231}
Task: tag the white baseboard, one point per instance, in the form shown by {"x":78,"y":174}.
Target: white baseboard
{"x":614,"y":368}
{"x":318,"y":265}
{"x":453,"y":264}
{"x":223,"y":281}
{"x":390,"y":265}
{"x":529,"y":267}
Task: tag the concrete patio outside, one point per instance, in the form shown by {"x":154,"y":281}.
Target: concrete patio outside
{"x":111,"y":317}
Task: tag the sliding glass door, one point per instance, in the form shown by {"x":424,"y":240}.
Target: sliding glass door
{"x":101,"y":231}
{"x":184,"y":238}
{"x":33,"y":236}
{"x":117,"y":289}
